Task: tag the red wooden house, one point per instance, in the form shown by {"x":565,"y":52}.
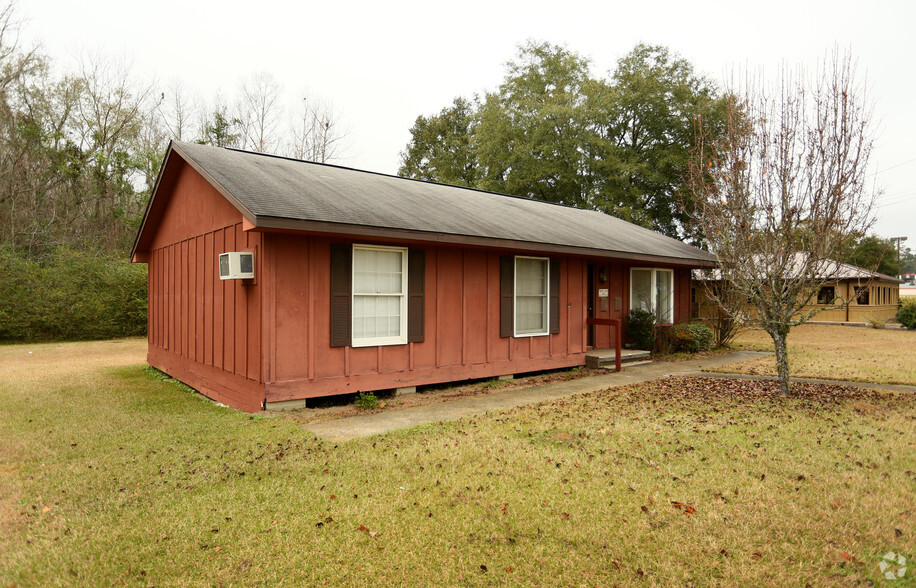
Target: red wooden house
{"x":364,"y":281}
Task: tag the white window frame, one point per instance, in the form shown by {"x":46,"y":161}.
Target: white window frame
{"x":654,"y":290}
{"x":378,"y":341}
{"x":546,"y":331}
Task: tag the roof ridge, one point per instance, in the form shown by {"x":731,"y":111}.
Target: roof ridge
{"x":392,"y":176}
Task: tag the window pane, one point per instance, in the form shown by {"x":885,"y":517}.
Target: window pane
{"x":530,"y":313}
{"x":530,"y":296}
{"x":531,"y":276}
{"x":376,"y":316}
{"x":641,"y":290}
{"x":377,"y":272}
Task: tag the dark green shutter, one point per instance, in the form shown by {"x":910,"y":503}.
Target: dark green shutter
{"x":341,"y":295}
{"x":506,"y":296}
{"x":554,"y":295}
{"x":416,"y":293}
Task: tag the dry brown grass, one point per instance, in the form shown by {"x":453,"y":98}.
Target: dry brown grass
{"x":835,"y":352}
{"x":51,"y":361}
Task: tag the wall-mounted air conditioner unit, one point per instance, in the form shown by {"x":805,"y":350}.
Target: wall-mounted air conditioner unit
{"x":236,"y":265}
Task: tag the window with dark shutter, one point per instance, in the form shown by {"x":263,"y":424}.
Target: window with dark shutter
{"x":341,"y":305}
{"x":371,"y":294}
{"x":529,"y":289}
{"x":532,"y":296}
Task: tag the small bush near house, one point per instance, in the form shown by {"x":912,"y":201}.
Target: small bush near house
{"x":641,"y":329}
{"x":691,"y":338}
{"x":366,"y":401}
{"x":906,"y":316}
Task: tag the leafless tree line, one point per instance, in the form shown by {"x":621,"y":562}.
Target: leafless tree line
{"x":80,"y":151}
{"x":256,"y":120}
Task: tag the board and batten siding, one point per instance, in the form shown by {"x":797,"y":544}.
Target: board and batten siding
{"x":204,"y":331}
{"x":461,"y":306}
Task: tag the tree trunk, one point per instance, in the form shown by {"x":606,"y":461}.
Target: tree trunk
{"x":782,"y":360}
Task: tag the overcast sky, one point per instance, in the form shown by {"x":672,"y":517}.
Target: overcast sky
{"x":382,"y":64}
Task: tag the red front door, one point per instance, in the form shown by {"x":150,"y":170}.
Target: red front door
{"x":606,"y":301}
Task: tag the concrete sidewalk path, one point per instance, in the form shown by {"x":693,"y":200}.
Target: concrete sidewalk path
{"x":390,"y":420}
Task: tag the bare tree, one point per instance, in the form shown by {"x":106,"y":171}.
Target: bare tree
{"x":110,"y":116}
{"x":714,"y":298}
{"x":148,"y":147}
{"x":259,"y":113}
{"x":177,"y":112}
{"x":315,"y":131}
{"x":19,"y":69}
{"x":787,"y":192}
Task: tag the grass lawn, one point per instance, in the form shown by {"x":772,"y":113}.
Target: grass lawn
{"x":110,"y":475}
{"x":837,"y":353}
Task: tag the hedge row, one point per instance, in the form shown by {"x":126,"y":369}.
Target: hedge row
{"x":71,"y":296}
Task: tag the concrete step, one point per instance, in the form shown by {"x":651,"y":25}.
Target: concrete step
{"x":603,"y":358}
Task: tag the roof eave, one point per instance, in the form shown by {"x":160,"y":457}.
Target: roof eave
{"x":267,"y":224}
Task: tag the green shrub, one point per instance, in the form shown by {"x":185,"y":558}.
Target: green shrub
{"x":366,"y":401}
{"x":906,"y":316}
{"x":641,"y":329}
{"x":71,"y":295}
{"x":692,"y":337}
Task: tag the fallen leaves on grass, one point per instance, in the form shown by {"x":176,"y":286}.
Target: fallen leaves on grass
{"x":735,"y":390}
{"x":689,"y":511}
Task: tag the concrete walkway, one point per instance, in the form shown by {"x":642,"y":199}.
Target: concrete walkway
{"x":382,"y":422}
{"x":356,"y":427}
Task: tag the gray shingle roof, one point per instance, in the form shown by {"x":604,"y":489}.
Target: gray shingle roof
{"x":278,"y":192}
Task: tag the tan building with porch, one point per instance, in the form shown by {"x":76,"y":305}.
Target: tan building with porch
{"x":853,"y":295}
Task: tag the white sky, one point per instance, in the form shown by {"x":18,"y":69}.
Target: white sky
{"x":382,"y":64}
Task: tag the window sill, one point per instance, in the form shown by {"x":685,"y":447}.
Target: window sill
{"x":378,"y":342}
